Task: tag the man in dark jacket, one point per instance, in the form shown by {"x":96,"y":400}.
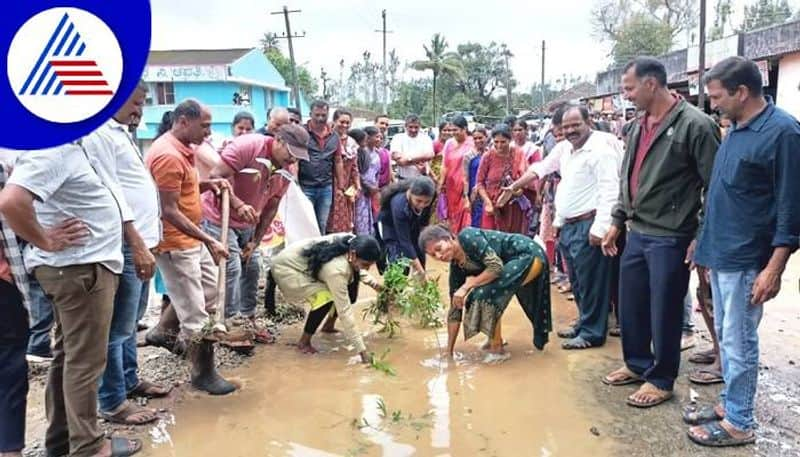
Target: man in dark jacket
{"x":316,"y":174}
{"x":667,"y":167}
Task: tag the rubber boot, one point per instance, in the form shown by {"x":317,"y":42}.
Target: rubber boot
{"x":204,"y":374}
{"x":165,"y":333}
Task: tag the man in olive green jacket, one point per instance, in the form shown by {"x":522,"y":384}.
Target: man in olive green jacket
{"x":667,"y":167}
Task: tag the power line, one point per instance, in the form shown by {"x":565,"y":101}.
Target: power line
{"x":385,"y":84}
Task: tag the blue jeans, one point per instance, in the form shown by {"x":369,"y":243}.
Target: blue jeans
{"x":590,"y":276}
{"x":13,"y":368}
{"x":688,"y":324}
{"x":321,"y":198}
{"x":241,"y":281}
{"x":736,"y":322}
{"x":653,"y":281}
{"x":130,"y":303}
{"x":41,"y":320}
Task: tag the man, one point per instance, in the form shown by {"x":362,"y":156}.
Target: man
{"x":186,"y":255}
{"x":295,"y":116}
{"x":119,"y":163}
{"x":411,"y":151}
{"x":254,"y":205}
{"x":77,"y":262}
{"x":277,"y":117}
{"x":382,"y":124}
{"x":665,"y":173}
{"x":589,"y":166}
{"x":14,"y":302}
{"x":316,"y":173}
{"x":751,"y":228}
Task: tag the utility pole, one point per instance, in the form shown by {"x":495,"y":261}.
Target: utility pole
{"x":508,"y":83}
{"x":701,"y":67}
{"x":384,"y":99}
{"x":323,"y":75}
{"x":288,"y":35}
{"x":542,"y":83}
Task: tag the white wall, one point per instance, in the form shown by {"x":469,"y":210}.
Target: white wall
{"x":788,"y":96}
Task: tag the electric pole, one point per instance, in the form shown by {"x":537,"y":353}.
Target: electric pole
{"x":288,"y":35}
{"x":542,"y":84}
{"x":323,"y":75}
{"x":508,"y":83}
{"x":701,"y":67}
{"x":385,"y":84}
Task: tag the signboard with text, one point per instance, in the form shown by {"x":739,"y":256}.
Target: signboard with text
{"x":162,"y":73}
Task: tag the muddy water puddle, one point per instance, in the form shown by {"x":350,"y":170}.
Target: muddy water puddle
{"x":324,"y":405}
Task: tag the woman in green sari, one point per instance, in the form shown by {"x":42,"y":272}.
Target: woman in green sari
{"x":488,"y":268}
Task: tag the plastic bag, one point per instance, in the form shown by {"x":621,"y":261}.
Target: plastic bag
{"x":297,"y":213}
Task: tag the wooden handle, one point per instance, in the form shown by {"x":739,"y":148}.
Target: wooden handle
{"x":222,"y":275}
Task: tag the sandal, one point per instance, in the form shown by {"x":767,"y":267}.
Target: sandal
{"x":706,"y":376}
{"x":125,"y":415}
{"x":703,"y":357}
{"x":658,"y":396}
{"x":148,"y":389}
{"x":576,"y":343}
{"x":629,"y":377}
{"x":568,"y":333}
{"x":719,"y":437}
{"x":263,"y":336}
{"x":615,"y":331}
{"x":694,"y":415}
{"x":124,"y":447}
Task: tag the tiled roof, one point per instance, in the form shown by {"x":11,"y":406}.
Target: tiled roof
{"x":196,"y":56}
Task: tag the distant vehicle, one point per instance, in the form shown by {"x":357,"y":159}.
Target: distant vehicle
{"x":395,"y":126}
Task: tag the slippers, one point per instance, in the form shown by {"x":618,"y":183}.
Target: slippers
{"x":629,"y":377}
{"x":698,"y":415}
{"x":657,"y":395}
{"x":576,"y":343}
{"x":703,"y":357}
{"x":615,"y":331}
{"x":719,"y":437}
{"x":706,"y":376}
{"x":568,"y":333}
{"x":125,"y":415}
{"x":148,"y":389}
{"x":124,"y":447}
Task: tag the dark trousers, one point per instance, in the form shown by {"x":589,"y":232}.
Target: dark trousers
{"x":13,"y":368}
{"x":590,"y":276}
{"x":653,"y":282}
{"x":316,"y":317}
{"x":615,"y":261}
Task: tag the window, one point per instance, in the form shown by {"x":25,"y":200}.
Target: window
{"x":242,"y":96}
{"x":269,"y":98}
{"x":165,"y":93}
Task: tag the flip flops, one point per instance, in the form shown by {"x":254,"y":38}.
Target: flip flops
{"x":703,"y":357}
{"x":630,"y":377}
{"x":658,"y":396}
{"x":128,"y":410}
{"x":697,"y":415}
{"x":719,"y":437}
{"x":706,"y":376}
{"x":576,"y":343}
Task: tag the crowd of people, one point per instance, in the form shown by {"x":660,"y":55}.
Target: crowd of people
{"x":619,"y":220}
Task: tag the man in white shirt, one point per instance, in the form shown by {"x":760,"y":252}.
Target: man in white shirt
{"x":589,"y":163}
{"x":118,"y":161}
{"x":411,"y":151}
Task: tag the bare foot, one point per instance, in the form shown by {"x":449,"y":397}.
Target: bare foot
{"x":701,"y":431}
{"x":330,"y":330}
{"x":307,"y":349}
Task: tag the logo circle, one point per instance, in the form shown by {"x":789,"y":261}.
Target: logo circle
{"x":64,"y":65}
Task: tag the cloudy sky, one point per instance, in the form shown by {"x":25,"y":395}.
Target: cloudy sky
{"x":345,"y":28}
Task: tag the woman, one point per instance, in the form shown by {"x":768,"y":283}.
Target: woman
{"x":499,"y":167}
{"x":452,"y":182}
{"x":405,"y":211}
{"x":519,"y":132}
{"x":471,"y":162}
{"x":487,"y":268}
{"x":319,"y":272}
{"x":369,"y":168}
{"x":346,"y":182}
{"x":386,"y":175}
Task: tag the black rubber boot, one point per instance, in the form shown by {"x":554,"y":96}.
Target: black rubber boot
{"x":204,"y":374}
{"x":165,"y":333}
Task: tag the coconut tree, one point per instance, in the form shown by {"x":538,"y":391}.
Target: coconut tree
{"x":439,"y":62}
{"x":269,"y":41}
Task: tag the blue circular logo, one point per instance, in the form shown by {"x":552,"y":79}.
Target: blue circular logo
{"x":69,"y":67}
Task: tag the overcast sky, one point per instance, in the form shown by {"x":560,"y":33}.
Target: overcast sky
{"x":345,"y":28}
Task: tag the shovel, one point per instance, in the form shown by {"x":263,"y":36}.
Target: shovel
{"x":222,"y":272}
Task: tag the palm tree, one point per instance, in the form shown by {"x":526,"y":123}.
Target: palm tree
{"x":439,"y":62}
{"x":269,"y":41}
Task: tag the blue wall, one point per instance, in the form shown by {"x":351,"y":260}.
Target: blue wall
{"x":255,"y":66}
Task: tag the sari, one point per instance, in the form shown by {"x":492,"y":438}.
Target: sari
{"x":458,"y":216}
{"x":345,"y":177}
{"x":495,"y":172}
{"x":365,"y":215}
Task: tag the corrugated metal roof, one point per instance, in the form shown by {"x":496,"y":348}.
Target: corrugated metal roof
{"x":196,"y":56}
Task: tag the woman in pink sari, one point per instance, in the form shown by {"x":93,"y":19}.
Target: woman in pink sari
{"x":452,"y":181}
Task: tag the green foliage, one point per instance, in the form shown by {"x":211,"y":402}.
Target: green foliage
{"x":641,"y":35}
{"x":381,"y":364}
{"x":422,"y":301}
{"x":764,"y":13}
{"x":439,"y":62}
{"x":308,"y":84}
{"x":396,"y":419}
{"x":395,"y":282}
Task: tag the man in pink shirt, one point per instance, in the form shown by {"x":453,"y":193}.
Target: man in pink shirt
{"x":248,"y":162}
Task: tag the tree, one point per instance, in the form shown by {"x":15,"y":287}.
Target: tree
{"x":439,"y":62}
{"x":722,"y":18}
{"x":269,"y":41}
{"x":620,"y":22}
{"x":764,"y":13}
{"x":305,"y":81}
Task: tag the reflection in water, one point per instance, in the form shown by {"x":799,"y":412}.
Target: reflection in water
{"x":374,"y":417}
{"x":439,"y":398}
{"x":298,"y":450}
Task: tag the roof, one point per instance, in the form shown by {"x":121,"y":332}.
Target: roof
{"x":576,"y":92}
{"x":196,"y":56}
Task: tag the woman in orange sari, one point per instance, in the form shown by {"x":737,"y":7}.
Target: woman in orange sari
{"x":452,"y":179}
{"x":502,"y":165}
{"x":346,"y":180}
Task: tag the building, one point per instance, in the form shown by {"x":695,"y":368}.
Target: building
{"x":775,"y":49}
{"x":226,"y":80}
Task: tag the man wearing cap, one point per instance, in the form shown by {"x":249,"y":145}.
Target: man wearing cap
{"x":247,"y":163}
